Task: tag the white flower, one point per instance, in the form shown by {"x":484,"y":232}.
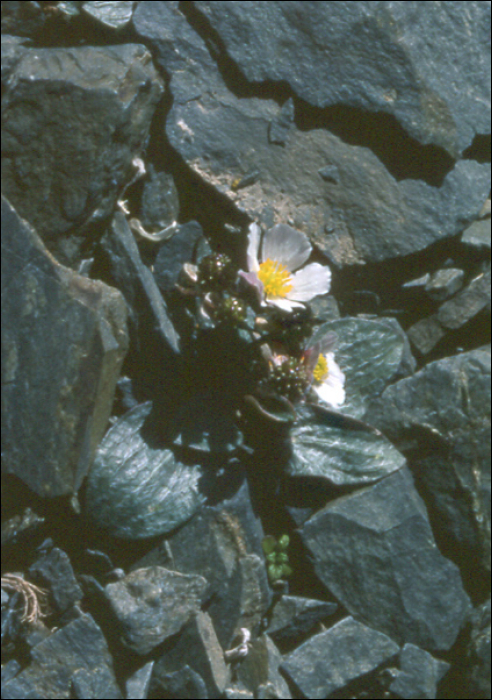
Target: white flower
{"x":328,"y":380}
{"x":283,"y":251}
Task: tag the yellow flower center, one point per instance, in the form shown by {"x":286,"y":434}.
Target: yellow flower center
{"x":275,"y":277}
{"x":320,"y":372}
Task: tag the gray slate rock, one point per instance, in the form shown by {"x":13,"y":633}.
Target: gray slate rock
{"x":72,"y":120}
{"x":468,"y":303}
{"x":452,"y":314}
{"x":11,"y":668}
{"x":11,"y":53}
{"x":93,"y":684}
{"x":294,"y":616}
{"x":330,"y":660}
{"x":77,"y":648}
{"x":448,"y":403}
{"x":478,"y":235}
{"x":259,"y":670}
{"x":428,"y":65}
{"x":137,"y":686}
{"x":223,"y":544}
{"x":56,"y":571}
{"x":419,"y":674}
{"x":160,"y":201}
{"x":136,"y":281}
{"x":479,"y":651}
{"x":114,"y":15}
{"x":426,"y":334}
{"x":154,"y":603}
{"x":374,"y":550}
{"x":198,"y":649}
{"x":64,"y":339}
{"x":223,"y":138}
{"x":174,"y":253}
{"x":444,"y":283}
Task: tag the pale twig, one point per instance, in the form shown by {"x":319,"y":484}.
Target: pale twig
{"x":242,"y":648}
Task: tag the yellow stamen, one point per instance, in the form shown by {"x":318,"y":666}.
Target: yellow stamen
{"x":320,"y":372}
{"x":275,"y":277}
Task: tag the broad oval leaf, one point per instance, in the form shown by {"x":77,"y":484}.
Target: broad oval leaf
{"x":135,"y":490}
{"x":369,"y":352}
{"x":345,"y":457}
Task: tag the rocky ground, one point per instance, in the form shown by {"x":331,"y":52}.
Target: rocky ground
{"x":170,"y":528}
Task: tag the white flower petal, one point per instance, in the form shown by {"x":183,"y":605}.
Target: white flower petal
{"x":254,"y":234}
{"x":310,"y":282}
{"x":284,"y":304}
{"x":251,"y":278}
{"x":333,"y":395}
{"x":331,"y":390}
{"x":287,"y":246}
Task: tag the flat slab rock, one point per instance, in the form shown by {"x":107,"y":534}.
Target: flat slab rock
{"x":328,"y":661}
{"x":64,"y":338}
{"x":374,"y":550}
{"x":428,"y":65}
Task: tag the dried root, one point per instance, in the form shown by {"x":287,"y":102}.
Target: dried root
{"x":33,"y":597}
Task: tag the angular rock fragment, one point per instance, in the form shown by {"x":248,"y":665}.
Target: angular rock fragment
{"x":137,"y":687}
{"x":136,"y":282}
{"x":330,"y":660}
{"x":200,"y":650}
{"x":174,"y":253}
{"x":453,"y":313}
{"x":223,"y":544}
{"x":259,"y":670}
{"x":426,"y":334}
{"x":419,"y":674}
{"x":478,"y":235}
{"x":152,"y":604}
{"x":160,"y":200}
{"x":64,"y":339}
{"x":468,"y":303}
{"x":446,"y":407}
{"x":479,"y":652}
{"x":401,"y":59}
{"x":77,"y":648}
{"x":114,"y":15}
{"x":444,"y":283}
{"x":72,"y":119}
{"x":374,"y":550}
{"x":294,"y":616}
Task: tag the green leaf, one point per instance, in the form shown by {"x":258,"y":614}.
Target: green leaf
{"x":283,"y":541}
{"x":345,"y":457}
{"x":286,"y":570}
{"x":369,"y":352}
{"x":135,"y":490}
{"x":272,"y":557}
{"x":282,"y":558}
{"x":275,"y":572}
{"x":269,"y":544}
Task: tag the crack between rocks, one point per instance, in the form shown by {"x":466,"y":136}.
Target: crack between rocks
{"x":404,"y":157}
